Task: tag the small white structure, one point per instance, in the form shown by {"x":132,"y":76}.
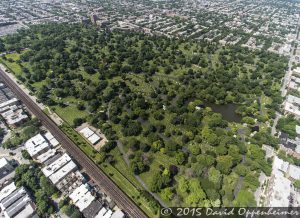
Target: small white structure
{"x":10,"y":102}
{"x":298,"y":130}
{"x":54,"y":142}
{"x":94,"y":139}
{"x":290,"y":108}
{"x":281,"y":165}
{"x":49,"y":136}
{"x":90,"y":135}
{"x":101,"y":213}
{"x":118,"y":214}
{"x":5,"y":165}
{"x":293,"y":99}
{"x":86,"y":132}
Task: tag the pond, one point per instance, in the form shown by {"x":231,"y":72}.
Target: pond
{"x":227,"y":111}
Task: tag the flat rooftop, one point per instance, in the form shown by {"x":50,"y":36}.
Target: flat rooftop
{"x":36,"y":144}
{"x":45,"y":156}
{"x":56,"y":165}
{"x":82,"y":197}
{"x":61,"y":173}
{"x":7,"y":190}
{"x":86,"y":132}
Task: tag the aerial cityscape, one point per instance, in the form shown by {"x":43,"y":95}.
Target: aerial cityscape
{"x":135,"y":108}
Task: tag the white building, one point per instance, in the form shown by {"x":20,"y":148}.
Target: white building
{"x":6,"y":171}
{"x":7,"y":190}
{"x":56,"y":165}
{"x":82,"y":197}
{"x":280,"y":187}
{"x":51,"y":139}
{"x":118,"y":214}
{"x":86,"y":132}
{"x":290,"y":108}
{"x":10,"y":102}
{"x":36,"y":145}
{"x":12,"y":114}
{"x":90,"y":135}
{"x":293,"y":99}
{"x":45,"y":156}
{"x":294,"y":172}
{"x":63,"y":172}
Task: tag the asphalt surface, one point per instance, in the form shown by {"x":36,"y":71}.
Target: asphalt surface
{"x":122,"y":200}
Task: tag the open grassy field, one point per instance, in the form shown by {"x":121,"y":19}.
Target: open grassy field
{"x":69,"y":113}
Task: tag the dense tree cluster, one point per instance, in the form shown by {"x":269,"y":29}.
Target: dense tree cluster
{"x":150,"y":93}
{"x":32,"y":178}
{"x":25,"y":132}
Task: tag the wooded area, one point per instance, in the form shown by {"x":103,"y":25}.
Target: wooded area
{"x":150,"y":94}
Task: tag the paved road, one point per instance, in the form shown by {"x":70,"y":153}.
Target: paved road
{"x":122,"y":200}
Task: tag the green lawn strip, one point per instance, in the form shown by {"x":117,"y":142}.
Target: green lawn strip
{"x":121,"y":166}
{"x":127,"y":187}
{"x":13,"y":67}
{"x":69,"y":113}
{"x":120,"y":180}
{"x":142,"y":86}
{"x":38,"y":85}
{"x":85,"y":75}
{"x":13,"y":56}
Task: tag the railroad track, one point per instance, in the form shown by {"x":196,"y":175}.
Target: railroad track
{"x":122,"y":200}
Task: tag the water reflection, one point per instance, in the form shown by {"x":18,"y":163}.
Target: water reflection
{"x":227,"y":111}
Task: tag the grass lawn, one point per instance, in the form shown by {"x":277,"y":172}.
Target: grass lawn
{"x":69,"y":113}
{"x":38,"y":85}
{"x":116,"y":175}
{"x":142,"y":86}
{"x":160,"y":159}
{"x":122,"y":167}
{"x":13,"y":66}
{"x":14,"y":56}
